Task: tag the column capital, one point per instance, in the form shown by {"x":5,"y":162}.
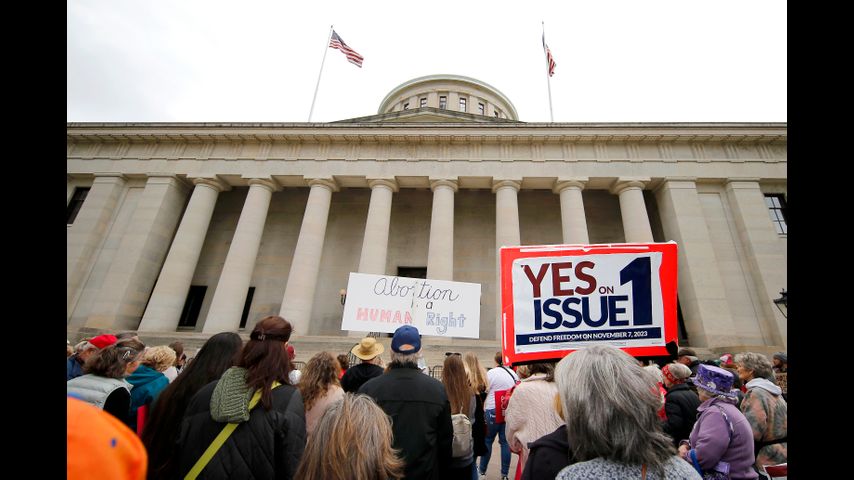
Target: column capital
{"x":213,"y":182}
{"x":266,"y":182}
{"x":499,"y":184}
{"x":452,"y":184}
{"x":562,"y":184}
{"x":165,"y":178}
{"x":389,"y":183}
{"x":110,"y":177}
{"x":329,"y":183}
{"x":622,"y":184}
{"x":742,"y":182}
{"x":687,"y":183}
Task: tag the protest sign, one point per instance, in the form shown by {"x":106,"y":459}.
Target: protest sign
{"x":559,"y":298}
{"x":382,"y":303}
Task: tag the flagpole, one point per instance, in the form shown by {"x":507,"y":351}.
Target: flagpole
{"x":325,"y":49}
{"x":548,"y":77}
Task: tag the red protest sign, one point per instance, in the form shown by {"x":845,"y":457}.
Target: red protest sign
{"x":558,"y":298}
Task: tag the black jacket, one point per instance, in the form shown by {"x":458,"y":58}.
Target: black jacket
{"x":420,"y":417}
{"x":548,"y":455}
{"x":478,"y":429}
{"x":269,"y":445}
{"x":681,"y":408}
{"x":357,"y":375}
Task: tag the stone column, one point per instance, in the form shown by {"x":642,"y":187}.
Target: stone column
{"x":440,"y":254}
{"x":85,"y":236}
{"x":633,"y":209}
{"x":130,"y":278}
{"x":702,"y":294}
{"x":765,"y":266}
{"x":506,"y":232}
{"x":230,"y":295}
{"x":170,"y":292}
{"x":302,"y":279}
{"x":375,"y":243}
{"x":572,"y":217}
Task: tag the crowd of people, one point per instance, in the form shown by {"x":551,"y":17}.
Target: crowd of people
{"x":238,"y":410}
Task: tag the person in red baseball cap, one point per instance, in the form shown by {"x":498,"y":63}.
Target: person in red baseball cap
{"x":74,"y":363}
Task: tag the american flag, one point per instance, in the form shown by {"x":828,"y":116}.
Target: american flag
{"x":549,"y":57}
{"x":352,"y":57}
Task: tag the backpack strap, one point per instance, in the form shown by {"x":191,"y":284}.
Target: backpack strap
{"x":220,"y":439}
{"x":514,"y":377}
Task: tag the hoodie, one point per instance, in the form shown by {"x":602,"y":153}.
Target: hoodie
{"x":767,"y":412}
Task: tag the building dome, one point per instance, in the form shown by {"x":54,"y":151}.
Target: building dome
{"x":449,"y":92}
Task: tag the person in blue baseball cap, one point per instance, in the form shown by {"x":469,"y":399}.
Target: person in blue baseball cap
{"x":419,"y":407}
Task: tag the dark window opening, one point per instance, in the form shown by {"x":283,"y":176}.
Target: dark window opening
{"x":246,"y":307}
{"x":777,"y":209}
{"x":193,"y":305}
{"x":422,"y":102}
{"x":412,"y":272}
{"x":74,"y":205}
{"x":443,"y":102}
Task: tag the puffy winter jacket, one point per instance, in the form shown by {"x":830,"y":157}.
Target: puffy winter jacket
{"x":268,"y":445}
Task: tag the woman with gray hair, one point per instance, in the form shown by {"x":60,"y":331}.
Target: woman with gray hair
{"x":104,"y":383}
{"x":720,"y":442}
{"x":610,"y":405}
{"x":765,"y":409}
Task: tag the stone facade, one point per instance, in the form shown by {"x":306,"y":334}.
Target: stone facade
{"x":292,"y":208}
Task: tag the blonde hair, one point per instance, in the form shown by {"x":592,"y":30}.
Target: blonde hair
{"x":333,"y":455}
{"x":476,"y":373}
{"x":159,"y":358}
{"x":320,"y":373}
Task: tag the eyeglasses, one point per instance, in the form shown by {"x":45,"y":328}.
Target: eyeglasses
{"x":448,"y":354}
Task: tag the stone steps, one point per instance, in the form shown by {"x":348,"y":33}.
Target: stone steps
{"x":433,"y":348}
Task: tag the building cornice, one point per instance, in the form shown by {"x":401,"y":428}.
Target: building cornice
{"x":518,"y":133}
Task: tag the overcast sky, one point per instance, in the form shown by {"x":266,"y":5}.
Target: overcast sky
{"x":258,"y":61}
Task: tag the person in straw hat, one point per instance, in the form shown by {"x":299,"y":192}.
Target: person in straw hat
{"x":368,"y":350}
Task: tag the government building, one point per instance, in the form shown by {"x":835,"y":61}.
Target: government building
{"x":197,"y":228}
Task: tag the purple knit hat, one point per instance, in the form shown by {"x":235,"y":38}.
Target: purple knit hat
{"x":714,"y":380}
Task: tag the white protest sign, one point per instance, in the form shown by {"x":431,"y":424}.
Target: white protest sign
{"x":382,"y":303}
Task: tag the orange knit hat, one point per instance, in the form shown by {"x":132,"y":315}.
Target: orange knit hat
{"x":100,"y":446}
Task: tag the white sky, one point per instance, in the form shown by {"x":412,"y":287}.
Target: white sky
{"x":258,"y":61}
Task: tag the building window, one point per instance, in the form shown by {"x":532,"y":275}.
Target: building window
{"x":74,"y":205}
{"x":462,"y":104}
{"x":481,"y":108}
{"x":422,"y":102}
{"x":443,"y":102}
{"x":412,"y":272}
{"x":777,"y":208}
{"x":192,"y":306}
{"x":246,"y":306}
{"x":497,"y":113}
{"x":406,"y":106}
